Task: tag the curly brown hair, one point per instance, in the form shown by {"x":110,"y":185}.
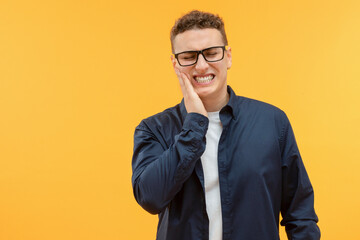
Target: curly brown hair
{"x":197,"y":20}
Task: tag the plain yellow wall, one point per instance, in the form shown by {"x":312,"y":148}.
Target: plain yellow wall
{"x":76,"y":77}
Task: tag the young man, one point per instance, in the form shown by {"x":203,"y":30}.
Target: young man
{"x":217,"y":165}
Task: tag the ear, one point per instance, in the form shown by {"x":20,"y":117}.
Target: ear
{"x":228,"y":58}
{"x":173,"y":61}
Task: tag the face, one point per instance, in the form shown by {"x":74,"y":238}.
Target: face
{"x":207,"y":78}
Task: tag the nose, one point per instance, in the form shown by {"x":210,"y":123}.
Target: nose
{"x":201,"y":64}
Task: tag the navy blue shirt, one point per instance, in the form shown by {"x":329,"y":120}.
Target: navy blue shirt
{"x":261,"y":174}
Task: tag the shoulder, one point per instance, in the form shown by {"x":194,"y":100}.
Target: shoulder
{"x":263,"y":116}
{"x":169,"y":117}
{"x":252,"y":112}
{"x":161,"y":127}
{"x":252,"y":106}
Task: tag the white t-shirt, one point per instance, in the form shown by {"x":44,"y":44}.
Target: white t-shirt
{"x":209,"y":161}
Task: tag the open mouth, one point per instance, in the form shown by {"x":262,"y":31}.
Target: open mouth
{"x":204,"y":79}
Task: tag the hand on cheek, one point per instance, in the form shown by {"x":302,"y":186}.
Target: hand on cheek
{"x":192,"y":100}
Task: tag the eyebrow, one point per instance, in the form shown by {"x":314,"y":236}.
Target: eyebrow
{"x":201,"y":49}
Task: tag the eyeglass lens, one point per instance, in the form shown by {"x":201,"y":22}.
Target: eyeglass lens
{"x":211,"y":55}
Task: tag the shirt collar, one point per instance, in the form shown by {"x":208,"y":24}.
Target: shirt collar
{"x":230,"y":106}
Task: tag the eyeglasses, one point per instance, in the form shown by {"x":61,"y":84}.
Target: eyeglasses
{"x":211,"y":54}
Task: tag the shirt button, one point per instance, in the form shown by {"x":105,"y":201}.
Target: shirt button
{"x":201,"y":123}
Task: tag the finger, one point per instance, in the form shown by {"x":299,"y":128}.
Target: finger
{"x":177,"y":71}
{"x":188,"y":86}
{"x":187,"y":82}
{"x":181,"y":81}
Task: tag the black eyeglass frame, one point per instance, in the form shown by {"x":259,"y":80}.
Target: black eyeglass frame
{"x":201,"y":52}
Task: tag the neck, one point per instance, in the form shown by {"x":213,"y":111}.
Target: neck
{"x":214,"y":104}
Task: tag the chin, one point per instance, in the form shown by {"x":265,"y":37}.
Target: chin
{"x":204,"y":92}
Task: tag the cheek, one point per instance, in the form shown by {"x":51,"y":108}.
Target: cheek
{"x":222,"y":70}
{"x":187,"y":71}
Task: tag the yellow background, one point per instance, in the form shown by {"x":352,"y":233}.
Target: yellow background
{"x":76,"y":77}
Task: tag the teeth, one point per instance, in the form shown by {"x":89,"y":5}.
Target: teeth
{"x":204,"y":79}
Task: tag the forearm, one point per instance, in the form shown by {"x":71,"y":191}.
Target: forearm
{"x":299,"y":217}
{"x":306,"y":229}
{"x":159,"y":174}
{"x":297,"y":207}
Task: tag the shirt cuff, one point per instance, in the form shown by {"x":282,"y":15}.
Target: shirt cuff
{"x":196,"y":122}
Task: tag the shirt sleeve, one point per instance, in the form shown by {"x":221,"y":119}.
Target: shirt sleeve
{"x":297,"y":206}
{"x":159,"y":173}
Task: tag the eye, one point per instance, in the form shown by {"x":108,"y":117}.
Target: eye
{"x":212,"y":52}
{"x":188,"y":56}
